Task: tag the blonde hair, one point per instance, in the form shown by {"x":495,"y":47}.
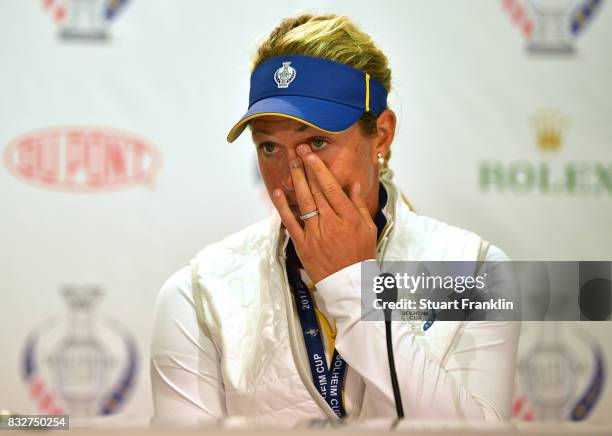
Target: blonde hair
{"x":331,"y":37}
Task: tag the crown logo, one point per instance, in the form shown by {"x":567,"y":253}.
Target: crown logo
{"x":549,"y":125}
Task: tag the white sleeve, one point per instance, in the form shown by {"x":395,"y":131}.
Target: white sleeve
{"x":474,"y":382}
{"x":185,"y":375}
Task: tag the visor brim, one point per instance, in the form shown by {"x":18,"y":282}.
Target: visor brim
{"x":324,"y":115}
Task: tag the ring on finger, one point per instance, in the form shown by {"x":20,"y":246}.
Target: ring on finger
{"x":309,"y":215}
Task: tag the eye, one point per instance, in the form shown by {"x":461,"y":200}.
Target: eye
{"x":318,"y":143}
{"x":267,"y":147}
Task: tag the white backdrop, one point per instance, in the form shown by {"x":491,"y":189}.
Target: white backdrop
{"x":482,"y":121}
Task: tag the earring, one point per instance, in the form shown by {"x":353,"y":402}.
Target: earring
{"x":383,"y":167}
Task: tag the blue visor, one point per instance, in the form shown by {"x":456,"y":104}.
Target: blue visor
{"x":320,"y":93}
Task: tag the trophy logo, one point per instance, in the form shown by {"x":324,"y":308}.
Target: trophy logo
{"x":551,"y":26}
{"x":549,"y":125}
{"x":80,"y":365}
{"x":285,"y":75}
{"x":561,"y":376}
{"x":84,"y":19}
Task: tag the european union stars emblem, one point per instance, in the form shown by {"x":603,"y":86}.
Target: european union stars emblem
{"x":427,"y":324}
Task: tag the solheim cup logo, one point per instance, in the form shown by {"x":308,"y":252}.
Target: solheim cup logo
{"x":79,"y":365}
{"x":562,"y":375}
{"x":551,"y":26}
{"x":84,"y":19}
{"x":285,"y":75}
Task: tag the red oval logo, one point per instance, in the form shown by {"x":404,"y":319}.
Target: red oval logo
{"x":82,"y":159}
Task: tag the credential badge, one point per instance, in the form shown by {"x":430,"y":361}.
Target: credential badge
{"x":285,"y":75}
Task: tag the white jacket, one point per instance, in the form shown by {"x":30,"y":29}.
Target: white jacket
{"x":227,"y":340}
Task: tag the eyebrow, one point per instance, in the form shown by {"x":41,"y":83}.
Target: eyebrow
{"x":267,"y":132}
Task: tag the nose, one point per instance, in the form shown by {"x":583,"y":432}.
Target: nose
{"x":287,"y":182}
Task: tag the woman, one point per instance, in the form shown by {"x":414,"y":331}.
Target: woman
{"x":237,"y":331}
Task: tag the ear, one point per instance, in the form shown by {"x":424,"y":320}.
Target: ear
{"x":385,"y":132}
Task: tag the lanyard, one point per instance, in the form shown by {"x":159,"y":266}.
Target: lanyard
{"x":328,"y":381}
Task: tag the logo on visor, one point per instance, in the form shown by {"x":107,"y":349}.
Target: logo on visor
{"x":285,"y":75}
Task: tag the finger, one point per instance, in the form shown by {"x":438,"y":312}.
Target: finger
{"x":359,"y":201}
{"x":317,"y":192}
{"x":315,"y":188}
{"x":293,"y":226}
{"x":305,"y":200}
{"x":330,"y":188}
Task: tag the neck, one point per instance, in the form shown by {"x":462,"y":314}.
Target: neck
{"x":374,"y":199}
{"x":379,"y":218}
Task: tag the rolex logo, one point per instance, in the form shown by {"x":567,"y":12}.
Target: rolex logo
{"x":549,"y":125}
{"x":547,"y":175}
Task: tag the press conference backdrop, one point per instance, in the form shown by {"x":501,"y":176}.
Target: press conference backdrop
{"x":115,"y":170}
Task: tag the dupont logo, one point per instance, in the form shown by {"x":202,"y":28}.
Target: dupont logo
{"x":82,"y":159}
